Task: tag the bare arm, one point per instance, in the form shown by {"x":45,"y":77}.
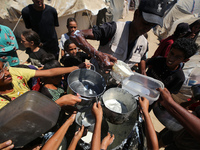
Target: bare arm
{"x":107,"y":141}
{"x":96,"y":138}
{"x":59,"y":71}
{"x":152,"y":141}
{"x":55,"y":71}
{"x":142,"y":67}
{"x":68,"y":99}
{"x":190,"y":122}
{"x":76,"y":138}
{"x":79,"y":38}
{"x":54,"y":142}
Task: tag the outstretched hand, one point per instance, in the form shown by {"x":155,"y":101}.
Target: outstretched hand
{"x":105,"y":60}
{"x":78,"y":134}
{"x":97,"y":111}
{"x":7,"y":145}
{"x":144,"y":103}
{"x":165,"y":95}
{"x":85,"y":65}
{"x":70,"y":99}
{"x":107,"y":141}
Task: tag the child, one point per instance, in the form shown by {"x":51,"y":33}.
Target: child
{"x":73,"y":57}
{"x":71,"y":26}
{"x":52,"y":85}
{"x":96,"y":144}
{"x":169,"y":70}
{"x":165,"y":45}
{"x":195,"y":29}
{"x":31,"y":42}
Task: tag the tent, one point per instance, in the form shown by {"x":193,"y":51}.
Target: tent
{"x":85,"y":12}
{"x":183,"y":11}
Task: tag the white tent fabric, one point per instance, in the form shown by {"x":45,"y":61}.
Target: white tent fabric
{"x":85,"y":12}
{"x":183,"y":11}
{"x":11,"y":9}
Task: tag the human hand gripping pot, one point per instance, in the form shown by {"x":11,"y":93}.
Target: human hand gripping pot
{"x":7,"y":145}
{"x":152,"y":141}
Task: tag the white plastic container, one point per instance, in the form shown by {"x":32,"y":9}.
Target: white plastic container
{"x":142,"y":85}
{"x":121,"y":70}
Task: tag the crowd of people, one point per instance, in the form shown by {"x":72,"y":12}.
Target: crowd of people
{"x":125,"y":41}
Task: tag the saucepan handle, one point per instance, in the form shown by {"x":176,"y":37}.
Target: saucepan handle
{"x":93,"y":67}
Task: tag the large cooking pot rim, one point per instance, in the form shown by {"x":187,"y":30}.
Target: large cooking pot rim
{"x":131,"y":110}
{"x":88,"y":96}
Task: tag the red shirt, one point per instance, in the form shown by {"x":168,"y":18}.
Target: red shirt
{"x":164,"y":47}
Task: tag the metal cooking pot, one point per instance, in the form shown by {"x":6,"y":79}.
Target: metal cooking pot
{"x":87,"y":119}
{"x":165,"y":118}
{"x":124,"y":100}
{"x":88,"y":83}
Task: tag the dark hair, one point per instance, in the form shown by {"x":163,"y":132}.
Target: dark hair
{"x":70,"y":20}
{"x":181,"y":29}
{"x":187,"y":46}
{"x":197,"y":22}
{"x":49,"y":62}
{"x":31,"y":36}
{"x":67,"y":43}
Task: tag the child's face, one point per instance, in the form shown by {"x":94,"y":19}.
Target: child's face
{"x":72,"y":27}
{"x":195,"y":28}
{"x":25,"y":42}
{"x":174,"y":58}
{"x":72,"y":49}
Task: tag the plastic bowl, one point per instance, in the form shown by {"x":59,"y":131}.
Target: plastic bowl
{"x":142,"y":85}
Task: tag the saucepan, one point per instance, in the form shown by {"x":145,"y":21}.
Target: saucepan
{"x":88,"y":83}
{"x":118,"y":104}
{"x":87,"y":119}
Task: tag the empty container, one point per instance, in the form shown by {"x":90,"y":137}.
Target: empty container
{"x":142,"y":85}
{"x":27,"y":117}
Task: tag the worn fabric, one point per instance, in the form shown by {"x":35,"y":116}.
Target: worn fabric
{"x":164,"y":47}
{"x":191,"y":71}
{"x":20,"y":77}
{"x":173,"y":80}
{"x":43,"y":23}
{"x":8,"y":46}
{"x":36,"y":57}
{"x":64,"y":37}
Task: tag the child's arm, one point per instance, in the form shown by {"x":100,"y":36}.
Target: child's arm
{"x":189,"y":121}
{"x":54,"y":142}
{"x":76,"y":138}
{"x":68,"y":99}
{"x":152,"y":141}
{"x":107,"y":141}
{"x":96,"y":138}
{"x":59,"y":71}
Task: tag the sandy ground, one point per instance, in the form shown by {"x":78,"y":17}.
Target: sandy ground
{"x":153,"y":44}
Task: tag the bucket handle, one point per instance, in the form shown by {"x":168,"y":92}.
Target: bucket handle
{"x":93,"y":67}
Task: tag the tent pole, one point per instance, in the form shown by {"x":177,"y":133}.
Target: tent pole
{"x":17,"y":23}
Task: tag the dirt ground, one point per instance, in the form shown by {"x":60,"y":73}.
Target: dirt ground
{"x":153,"y":44}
